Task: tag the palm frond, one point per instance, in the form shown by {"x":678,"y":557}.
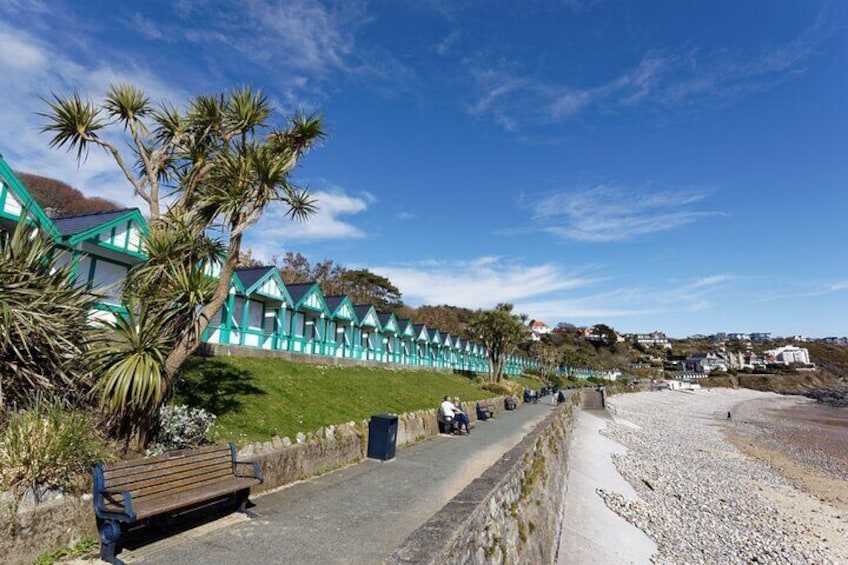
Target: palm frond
{"x":125,"y":103}
{"x":73,"y":122}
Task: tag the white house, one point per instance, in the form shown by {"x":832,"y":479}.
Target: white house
{"x":537,"y":329}
{"x":789,"y":354}
{"x":652,"y":339}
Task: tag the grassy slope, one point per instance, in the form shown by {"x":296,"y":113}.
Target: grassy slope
{"x":256,"y":399}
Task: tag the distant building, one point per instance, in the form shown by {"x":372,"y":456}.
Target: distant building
{"x":537,"y":329}
{"x":799,"y":338}
{"x":652,"y":339}
{"x":836,"y":340}
{"x":707,"y":362}
{"x":760,"y":336}
{"x":788,"y":354}
{"x":738,"y":337}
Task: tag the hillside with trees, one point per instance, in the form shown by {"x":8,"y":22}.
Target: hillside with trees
{"x":60,"y":199}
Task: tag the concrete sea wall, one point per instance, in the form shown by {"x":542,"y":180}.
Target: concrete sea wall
{"x":512,"y":513}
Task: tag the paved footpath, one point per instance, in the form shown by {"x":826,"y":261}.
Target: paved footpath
{"x":356,"y":515}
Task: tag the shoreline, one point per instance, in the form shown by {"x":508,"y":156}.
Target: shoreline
{"x":713,"y":491}
{"x":805,"y":442}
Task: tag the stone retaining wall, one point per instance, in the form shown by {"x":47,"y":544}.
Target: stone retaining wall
{"x":512,"y":513}
{"x":27,"y":530}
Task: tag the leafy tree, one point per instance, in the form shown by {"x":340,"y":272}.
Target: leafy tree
{"x":43,"y":324}
{"x":294,"y":268}
{"x":212,"y":167}
{"x":606,"y":335}
{"x":365,"y":287}
{"x":548,"y":357}
{"x":451,"y":319}
{"x":501,"y":332}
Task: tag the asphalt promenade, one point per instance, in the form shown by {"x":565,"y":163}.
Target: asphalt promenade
{"x":356,"y":515}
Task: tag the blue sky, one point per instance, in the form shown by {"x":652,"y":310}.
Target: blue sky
{"x":655,"y":165}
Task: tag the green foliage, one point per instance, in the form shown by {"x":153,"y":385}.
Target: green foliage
{"x":79,"y":549}
{"x":255,"y":398}
{"x":365,"y":287}
{"x":501,"y":332}
{"x":130,"y":361}
{"x":46,"y":446}
{"x":43,"y":326}
{"x":213,"y":166}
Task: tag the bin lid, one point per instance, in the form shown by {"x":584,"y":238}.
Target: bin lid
{"x":389,"y":417}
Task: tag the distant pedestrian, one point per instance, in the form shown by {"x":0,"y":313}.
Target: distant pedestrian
{"x":728,"y":415}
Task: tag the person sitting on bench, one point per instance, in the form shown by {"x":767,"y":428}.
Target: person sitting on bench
{"x":451,"y":412}
{"x":484,"y":412}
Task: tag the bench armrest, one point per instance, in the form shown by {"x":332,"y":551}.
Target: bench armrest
{"x":100,"y":493}
{"x":257,"y":472}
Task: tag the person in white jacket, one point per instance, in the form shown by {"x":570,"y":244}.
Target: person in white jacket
{"x":450,"y":411}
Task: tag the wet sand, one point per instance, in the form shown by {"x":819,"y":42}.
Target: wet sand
{"x":804,"y":441}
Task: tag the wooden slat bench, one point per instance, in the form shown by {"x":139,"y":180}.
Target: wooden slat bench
{"x":133,"y":491}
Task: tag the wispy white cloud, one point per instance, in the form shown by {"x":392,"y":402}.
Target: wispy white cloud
{"x":712,"y":280}
{"x":40,"y":68}
{"x":447,"y":43}
{"x":610,"y":212}
{"x":627,"y":302}
{"x":404,"y":216}
{"x":315,"y":42}
{"x":668,"y":79}
{"x":275,"y":232}
{"x":481,"y":282}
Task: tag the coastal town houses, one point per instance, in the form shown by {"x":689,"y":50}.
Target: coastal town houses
{"x":261,"y":311}
{"x":707,"y":362}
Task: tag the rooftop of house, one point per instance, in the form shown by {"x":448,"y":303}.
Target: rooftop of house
{"x":71,"y":225}
{"x":249,"y":276}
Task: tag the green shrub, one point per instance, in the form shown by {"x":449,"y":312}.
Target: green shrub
{"x":46,"y":446}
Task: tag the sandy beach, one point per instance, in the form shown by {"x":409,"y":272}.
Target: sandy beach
{"x":767,"y":487}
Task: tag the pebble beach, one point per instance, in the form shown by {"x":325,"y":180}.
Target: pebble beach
{"x":766,"y":487}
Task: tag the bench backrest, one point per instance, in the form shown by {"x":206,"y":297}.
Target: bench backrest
{"x":173,"y":472}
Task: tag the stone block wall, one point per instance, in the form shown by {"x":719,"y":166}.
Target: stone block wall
{"x":512,"y":513}
{"x":28,"y":530}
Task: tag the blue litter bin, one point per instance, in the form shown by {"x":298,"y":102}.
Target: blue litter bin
{"x":382,"y":436}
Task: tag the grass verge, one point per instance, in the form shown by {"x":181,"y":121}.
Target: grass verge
{"x":258,"y":398}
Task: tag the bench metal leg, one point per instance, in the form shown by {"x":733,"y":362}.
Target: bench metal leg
{"x":110,"y":534}
{"x":242,"y":498}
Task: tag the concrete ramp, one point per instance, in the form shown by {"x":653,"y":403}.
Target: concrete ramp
{"x":592,"y":533}
{"x":593,"y":399}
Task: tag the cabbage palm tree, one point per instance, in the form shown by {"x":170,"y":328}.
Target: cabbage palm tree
{"x":207,"y":173}
{"x":43,"y":325}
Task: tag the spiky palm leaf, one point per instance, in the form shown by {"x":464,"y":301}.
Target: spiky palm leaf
{"x":43,"y":326}
{"x":73,"y":122}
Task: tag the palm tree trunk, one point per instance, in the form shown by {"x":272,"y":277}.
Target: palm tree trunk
{"x":190,"y":338}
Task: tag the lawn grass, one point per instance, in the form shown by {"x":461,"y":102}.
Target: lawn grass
{"x":526,"y":381}
{"x":258,"y":398}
